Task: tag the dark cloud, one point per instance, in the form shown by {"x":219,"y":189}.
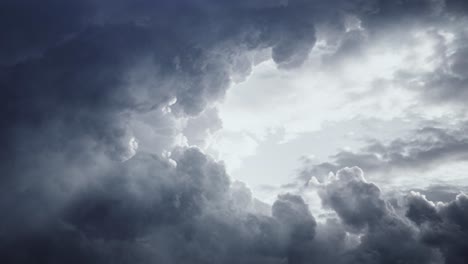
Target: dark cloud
{"x":386,"y":237}
{"x":442,"y":225}
{"x":80,"y":80}
{"x":77,"y":79}
{"x":150,"y":209}
{"x":90,"y":76}
{"x":456,"y":6}
{"x":384,"y":12}
{"x":357,"y":202}
{"x":29,"y":28}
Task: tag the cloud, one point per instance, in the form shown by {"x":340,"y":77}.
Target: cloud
{"x":385,"y":236}
{"x":422,"y":150}
{"x":456,"y":6}
{"x":200,"y":129}
{"x":448,"y":83}
{"x":184,"y":208}
{"x":85,"y":80}
{"x":357,"y":202}
{"x":150,"y":209}
{"x":92,"y":93}
{"x":91,"y":78}
{"x":443,"y":225}
{"x":73,"y":103}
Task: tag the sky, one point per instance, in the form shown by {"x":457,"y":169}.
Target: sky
{"x":249,"y":131}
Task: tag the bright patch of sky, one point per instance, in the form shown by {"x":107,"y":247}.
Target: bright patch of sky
{"x":276,"y":117}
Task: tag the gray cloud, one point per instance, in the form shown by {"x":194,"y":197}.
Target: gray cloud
{"x":199,"y":128}
{"x":448,"y":83}
{"x":78,"y":82}
{"x":424,"y":149}
{"x":386,"y":237}
{"x":185,"y":209}
{"x":357,"y":202}
{"x":442,"y":225}
{"x":456,"y":6}
{"x":149,"y":209}
{"x":125,"y":60}
{"x":441,"y":193}
{"x":78,"y":78}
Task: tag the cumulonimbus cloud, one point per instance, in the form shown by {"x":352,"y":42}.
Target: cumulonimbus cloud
{"x":74,"y":75}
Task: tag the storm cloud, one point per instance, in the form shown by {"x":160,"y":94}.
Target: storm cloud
{"x":96,"y":96}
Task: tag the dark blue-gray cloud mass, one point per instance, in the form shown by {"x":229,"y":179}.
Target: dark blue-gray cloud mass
{"x":77,"y":76}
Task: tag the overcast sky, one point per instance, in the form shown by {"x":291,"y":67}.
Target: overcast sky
{"x":248,"y":131}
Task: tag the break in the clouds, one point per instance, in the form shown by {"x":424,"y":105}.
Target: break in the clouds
{"x":121,"y":121}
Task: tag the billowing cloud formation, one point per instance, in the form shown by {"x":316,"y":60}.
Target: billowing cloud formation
{"x":149,"y":209}
{"x":82,"y":82}
{"x":443,"y":225}
{"x":86,"y":70}
{"x":387,"y":237}
{"x":185,"y":209}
